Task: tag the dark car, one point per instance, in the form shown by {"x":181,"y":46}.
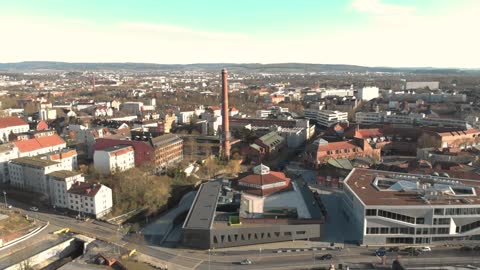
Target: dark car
{"x":380,"y":253}
{"x":476,"y":248}
{"x":394,"y":249}
{"x":466,"y":248}
{"x":326,"y":257}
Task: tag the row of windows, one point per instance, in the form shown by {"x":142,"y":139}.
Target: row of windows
{"x":253,"y":236}
{"x":391,"y":215}
{"x":468,"y":227}
{"x":418,"y":231}
{"x":456,"y":211}
{"x":441,"y":221}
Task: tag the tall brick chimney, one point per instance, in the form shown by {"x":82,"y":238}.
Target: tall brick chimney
{"x":225,"y":116}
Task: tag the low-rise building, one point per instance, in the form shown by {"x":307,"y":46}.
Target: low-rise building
{"x":389,"y":208}
{"x":92,"y":199}
{"x":114,"y":159}
{"x":266,"y":146}
{"x":10,"y":125}
{"x":168,"y":151}
{"x":320,"y":151}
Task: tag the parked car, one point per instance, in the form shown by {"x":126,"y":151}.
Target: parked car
{"x":394,"y":249}
{"x":326,"y":257}
{"x":425,"y":249}
{"x":245,"y":262}
{"x":466,"y":248}
{"x":34,"y":209}
{"x":476,"y":248}
{"x":380,"y":252}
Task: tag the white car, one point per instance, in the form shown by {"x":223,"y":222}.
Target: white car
{"x":34,"y":209}
{"x":245,"y":262}
{"x":425,"y":249}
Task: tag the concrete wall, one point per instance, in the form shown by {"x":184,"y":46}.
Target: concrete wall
{"x":242,"y":235}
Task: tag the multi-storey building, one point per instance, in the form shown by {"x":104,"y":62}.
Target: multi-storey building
{"x":168,"y":151}
{"x":37,"y":146}
{"x":397,"y":208}
{"x":68,"y":158}
{"x":367,"y":93}
{"x":461,"y":139}
{"x":30,"y":173}
{"x":114,"y":159}
{"x":92,"y":199}
{"x":59,"y":183}
{"x":10,"y":125}
{"x":7,"y":152}
{"x":326,"y":118}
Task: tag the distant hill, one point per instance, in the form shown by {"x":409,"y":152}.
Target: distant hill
{"x":259,"y":68}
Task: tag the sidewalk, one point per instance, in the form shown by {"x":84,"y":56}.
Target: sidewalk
{"x":272,"y":247}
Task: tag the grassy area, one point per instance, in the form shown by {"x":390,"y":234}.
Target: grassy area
{"x":14,"y":226}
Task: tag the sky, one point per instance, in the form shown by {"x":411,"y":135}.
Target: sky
{"x":397,"y":33}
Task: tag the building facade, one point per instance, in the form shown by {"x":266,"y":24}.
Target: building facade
{"x":168,"y":150}
{"x":397,"y":208}
{"x":92,"y":199}
{"x":10,"y":125}
{"x":114,"y":159}
{"x":30,"y":173}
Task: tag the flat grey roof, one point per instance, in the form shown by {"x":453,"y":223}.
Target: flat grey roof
{"x":203,"y":209}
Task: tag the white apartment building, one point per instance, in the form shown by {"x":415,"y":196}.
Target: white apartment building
{"x":60,"y":182}
{"x":367,"y":93}
{"x":408,"y":119}
{"x":114,"y":159}
{"x":30,"y":173}
{"x":399,"y":208}
{"x":7,"y":152}
{"x":10,"y":125}
{"x":323,"y":93}
{"x":326,"y":118}
{"x":370,"y":117}
{"x":90,"y":199}
{"x":68,"y":158}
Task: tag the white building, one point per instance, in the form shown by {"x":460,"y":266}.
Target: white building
{"x":114,"y":159}
{"x":422,"y":85}
{"x":12,"y":124}
{"x":326,"y":118}
{"x":60,"y":182}
{"x":68,"y":158}
{"x":48,"y":114}
{"x":323,"y":93}
{"x":90,"y":199}
{"x":7,"y":152}
{"x":368,"y":93}
{"x":30,"y":173}
{"x":388,"y":208}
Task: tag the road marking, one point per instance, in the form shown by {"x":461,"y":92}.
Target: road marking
{"x":198,"y":264}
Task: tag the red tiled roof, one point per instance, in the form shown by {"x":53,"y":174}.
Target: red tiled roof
{"x":85,"y":189}
{"x":336,"y":146}
{"x":369,"y":133}
{"x":11,"y":121}
{"x":271,"y":178}
{"x":39,"y":143}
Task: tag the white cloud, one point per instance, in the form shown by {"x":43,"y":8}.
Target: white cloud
{"x":442,"y":40}
{"x":175,"y":29}
{"x":378,"y":8}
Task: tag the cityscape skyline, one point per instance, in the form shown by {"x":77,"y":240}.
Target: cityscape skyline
{"x":357,"y":32}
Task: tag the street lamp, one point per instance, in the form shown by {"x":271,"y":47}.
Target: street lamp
{"x":208,"y":259}
{"x":5,"y":197}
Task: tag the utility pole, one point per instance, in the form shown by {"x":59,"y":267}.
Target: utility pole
{"x":5,"y":197}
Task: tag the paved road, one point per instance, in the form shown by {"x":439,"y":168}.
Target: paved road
{"x":192,"y":259}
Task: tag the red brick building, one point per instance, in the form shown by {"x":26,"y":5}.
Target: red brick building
{"x":144,"y":152}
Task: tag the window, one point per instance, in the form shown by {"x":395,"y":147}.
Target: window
{"x":371,"y":212}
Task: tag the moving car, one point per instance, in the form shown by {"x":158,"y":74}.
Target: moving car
{"x":34,"y":209}
{"x":380,"y":252}
{"x":394,"y":249}
{"x":245,"y":262}
{"x":425,"y":249}
{"x":326,"y":257}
